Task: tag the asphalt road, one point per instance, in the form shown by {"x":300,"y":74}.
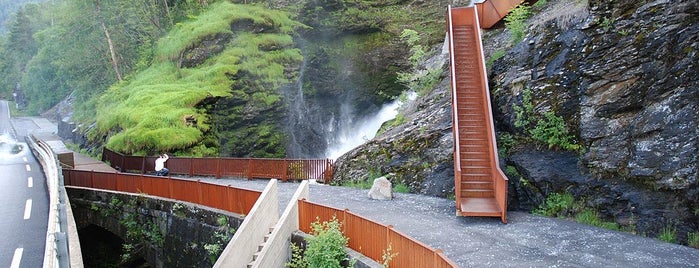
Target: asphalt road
{"x":23,"y":200}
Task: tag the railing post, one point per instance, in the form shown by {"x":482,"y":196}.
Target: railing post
{"x":143,"y":165}
{"x":122,"y":162}
{"x":286,"y":170}
{"x":250,"y":168}
{"x":199,"y":192}
{"x":218,"y":168}
{"x":191,"y":167}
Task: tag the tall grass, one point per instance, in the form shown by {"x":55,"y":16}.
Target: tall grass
{"x":145,"y":113}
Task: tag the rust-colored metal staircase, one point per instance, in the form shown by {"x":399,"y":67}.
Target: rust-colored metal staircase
{"x":480,"y":185}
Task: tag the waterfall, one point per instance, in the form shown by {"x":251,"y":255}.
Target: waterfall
{"x":352,"y":133}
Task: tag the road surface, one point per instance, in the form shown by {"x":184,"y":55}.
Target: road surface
{"x":23,"y":199}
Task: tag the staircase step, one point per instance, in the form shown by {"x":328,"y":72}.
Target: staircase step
{"x":474,"y":170}
{"x":477,"y":193}
{"x":477,"y":185}
{"x":476,"y":177}
{"x":479,"y":207}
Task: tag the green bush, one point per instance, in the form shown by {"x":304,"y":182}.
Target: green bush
{"x":401,"y":188}
{"x":327,"y":246}
{"x":552,"y":130}
{"x":515,"y":22}
{"x":496,"y":55}
{"x":591,"y":217}
{"x":693,"y":239}
{"x":524,"y":113}
{"x":668,"y":234}
{"x":556,"y":204}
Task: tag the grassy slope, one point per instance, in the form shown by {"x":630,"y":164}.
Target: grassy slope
{"x":145,"y":113}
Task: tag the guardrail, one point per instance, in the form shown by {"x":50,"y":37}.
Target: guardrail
{"x":56,"y":253}
{"x":218,"y":196}
{"x":372,"y":239}
{"x":284,"y":169}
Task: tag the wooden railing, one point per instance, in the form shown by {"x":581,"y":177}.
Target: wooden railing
{"x":372,"y":239}
{"x":227,"y":198}
{"x":283,"y":169}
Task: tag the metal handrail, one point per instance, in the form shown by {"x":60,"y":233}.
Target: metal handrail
{"x":56,"y":253}
{"x":283,"y":169}
{"x":455,"y":114}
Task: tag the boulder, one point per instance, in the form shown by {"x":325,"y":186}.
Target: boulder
{"x":382,"y":189}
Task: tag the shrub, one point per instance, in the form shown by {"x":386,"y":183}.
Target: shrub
{"x":668,"y":234}
{"x":591,"y":217}
{"x":555,"y":204}
{"x":552,"y":130}
{"x":693,"y":239}
{"x":515,"y":22}
{"x":327,"y":246}
{"x":496,"y":55}
{"x":401,"y":188}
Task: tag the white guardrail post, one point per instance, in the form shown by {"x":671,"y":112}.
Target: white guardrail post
{"x":56,"y":253}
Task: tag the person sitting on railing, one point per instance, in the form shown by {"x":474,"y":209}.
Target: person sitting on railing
{"x":160,"y":169}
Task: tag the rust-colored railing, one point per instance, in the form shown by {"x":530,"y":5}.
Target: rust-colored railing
{"x":492,"y":11}
{"x":227,"y":198}
{"x":468,"y":16}
{"x":372,"y":239}
{"x":283,"y":169}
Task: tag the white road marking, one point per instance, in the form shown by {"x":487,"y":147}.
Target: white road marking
{"x":25,"y":159}
{"x":30,"y":182}
{"x":28,"y":167}
{"x":17,"y":258}
{"x":28,"y":209}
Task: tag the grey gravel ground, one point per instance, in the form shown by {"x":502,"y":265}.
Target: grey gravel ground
{"x":526,"y":241}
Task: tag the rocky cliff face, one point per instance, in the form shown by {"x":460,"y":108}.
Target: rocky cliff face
{"x":622,"y":75}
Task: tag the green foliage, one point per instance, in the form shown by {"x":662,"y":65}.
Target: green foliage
{"x":549,"y":129}
{"x":140,"y":231}
{"x":496,"y":56}
{"x":359,"y":184}
{"x":539,"y":3}
{"x":668,"y":234}
{"x":419,"y":80}
{"x":144,"y":115}
{"x":607,"y":23}
{"x":297,"y":260}
{"x":401,"y":188}
{"x":693,"y":239}
{"x":515,"y":22}
{"x":387,"y":256}
{"x":327,"y":246}
{"x":524,"y":113}
{"x":511,"y":171}
{"x":505,"y":142}
{"x":552,"y":130}
{"x":556,"y":204}
{"x":591,"y":217}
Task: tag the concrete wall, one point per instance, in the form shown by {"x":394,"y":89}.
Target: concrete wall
{"x":186,"y":228}
{"x":244,"y":244}
{"x":277,"y":249}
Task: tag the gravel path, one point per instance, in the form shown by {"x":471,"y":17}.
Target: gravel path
{"x":526,"y":241}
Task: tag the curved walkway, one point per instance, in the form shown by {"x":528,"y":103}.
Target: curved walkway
{"x":526,"y":241}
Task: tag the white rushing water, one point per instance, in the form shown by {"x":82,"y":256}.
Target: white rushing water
{"x":352,"y":133}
